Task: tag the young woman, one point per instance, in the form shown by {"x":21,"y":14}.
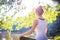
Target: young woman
{"x":40,"y":25}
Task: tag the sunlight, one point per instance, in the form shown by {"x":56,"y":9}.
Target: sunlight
{"x":50,"y":2}
{"x":27,"y":6}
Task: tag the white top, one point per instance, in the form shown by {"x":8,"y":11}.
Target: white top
{"x":41,"y":27}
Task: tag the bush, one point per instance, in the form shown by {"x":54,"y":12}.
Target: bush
{"x":57,"y":38}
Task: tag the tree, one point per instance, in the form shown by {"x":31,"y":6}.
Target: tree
{"x":54,"y":28}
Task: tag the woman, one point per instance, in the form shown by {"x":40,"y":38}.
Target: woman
{"x":40,"y":25}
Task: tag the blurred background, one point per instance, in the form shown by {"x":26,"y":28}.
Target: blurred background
{"x":16,"y":17}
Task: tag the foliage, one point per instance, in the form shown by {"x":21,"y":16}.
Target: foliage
{"x":57,"y":38}
{"x":49,"y":14}
{"x":7,"y":22}
{"x":3,"y":2}
{"x":27,"y":21}
{"x":58,"y":7}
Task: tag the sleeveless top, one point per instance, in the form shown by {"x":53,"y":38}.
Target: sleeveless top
{"x":40,"y":29}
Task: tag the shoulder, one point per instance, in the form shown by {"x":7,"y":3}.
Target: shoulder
{"x":46,"y":22}
{"x":35,"y":22}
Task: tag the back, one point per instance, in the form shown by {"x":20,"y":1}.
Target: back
{"x":41,"y":28}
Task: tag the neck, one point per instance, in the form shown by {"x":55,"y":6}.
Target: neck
{"x":40,"y":17}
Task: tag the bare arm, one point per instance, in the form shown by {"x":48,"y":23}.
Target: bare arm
{"x":32,"y":29}
{"x":46,"y":28}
